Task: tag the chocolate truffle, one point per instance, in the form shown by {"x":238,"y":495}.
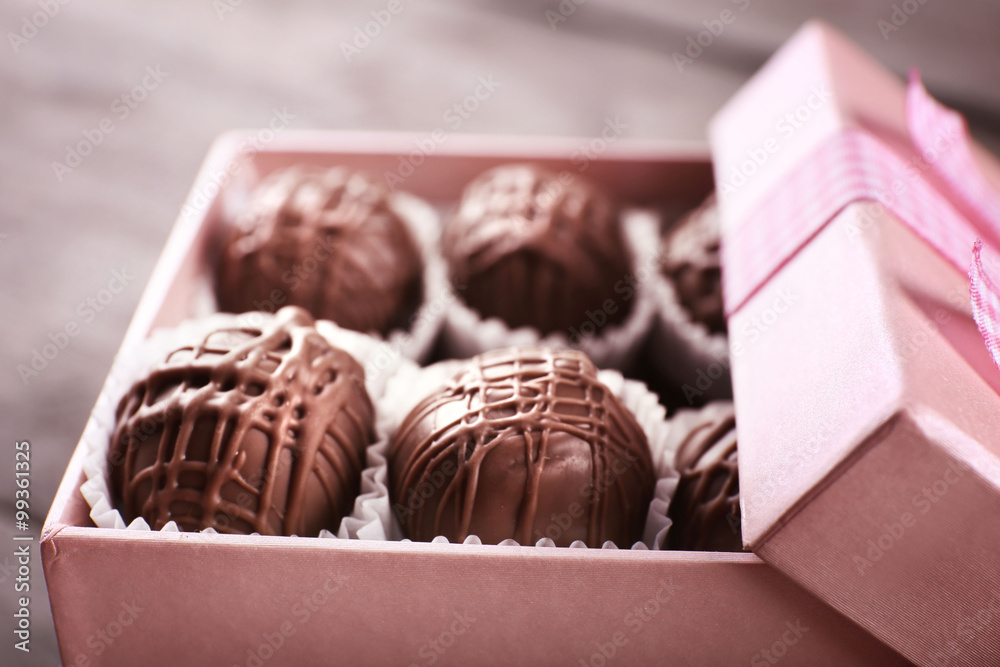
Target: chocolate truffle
{"x":327,"y":240}
{"x":248,"y":430}
{"x":690,"y":260}
{"x":536,"y":249}
{"x":524,"y":443}
{"x":705,"y":508}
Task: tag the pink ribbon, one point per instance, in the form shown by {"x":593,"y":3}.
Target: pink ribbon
{"x":932,"y":183}
{"x":926,"y":118}
{"x":986,"y":299}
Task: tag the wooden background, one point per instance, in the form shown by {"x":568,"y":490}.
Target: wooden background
{"x":230,"y":63}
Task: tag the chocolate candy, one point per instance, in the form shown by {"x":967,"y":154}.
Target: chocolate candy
{"x":327,"y":240}
{"x":248,"y":430}
{"x":705,"y":508}
{"x":538,"y":250}
{"x":690,"y":260}
{"x":524,"y":443}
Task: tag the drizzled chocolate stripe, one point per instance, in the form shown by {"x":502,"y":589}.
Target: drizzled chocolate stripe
{"x":523,"y":444}
{"x":248,"y":430}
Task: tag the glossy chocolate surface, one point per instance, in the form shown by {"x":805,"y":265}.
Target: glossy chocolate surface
{"x":524,"y":443}
{"x":534,"y":250}
{"x":326,"y":240}
{"x":249,"y":430}
{"x":706,"y":506}
{"x":691,"y":261}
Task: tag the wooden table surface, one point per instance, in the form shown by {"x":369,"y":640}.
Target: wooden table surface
{"x":152,"y":83}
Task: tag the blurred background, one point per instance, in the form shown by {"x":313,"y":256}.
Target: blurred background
{"x":171,"y":76}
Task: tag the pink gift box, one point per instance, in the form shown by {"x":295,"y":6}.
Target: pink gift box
{"x":123,"y":597}
{"x":867,"y":403}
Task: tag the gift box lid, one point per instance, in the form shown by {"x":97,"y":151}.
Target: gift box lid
{"x":867,"y":404}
